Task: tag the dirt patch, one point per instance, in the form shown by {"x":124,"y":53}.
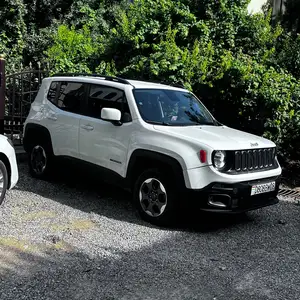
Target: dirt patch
{"x":16,"y":244}
{"x":79,"y":225}
{"x":37,"y":215}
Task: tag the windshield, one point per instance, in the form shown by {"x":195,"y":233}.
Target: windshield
{"x":171,"y":107}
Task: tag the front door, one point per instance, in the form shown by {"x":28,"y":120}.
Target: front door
{"x":101,"y":142}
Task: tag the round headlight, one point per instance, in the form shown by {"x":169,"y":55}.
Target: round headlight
{"x":219,"y":159}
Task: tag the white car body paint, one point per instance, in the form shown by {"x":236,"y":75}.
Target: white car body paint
{"x":8,"y":150}
{"x":104,"y":144}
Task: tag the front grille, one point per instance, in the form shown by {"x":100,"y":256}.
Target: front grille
{"x":251,"y":160}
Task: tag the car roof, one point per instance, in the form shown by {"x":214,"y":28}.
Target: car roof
{"x":148,"y":84}
{"x":135,"y":83}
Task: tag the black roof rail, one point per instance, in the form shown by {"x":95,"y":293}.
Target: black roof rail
{"x":170,"y":83}
{"x":178,"y":85}
{"x":109,"y":78}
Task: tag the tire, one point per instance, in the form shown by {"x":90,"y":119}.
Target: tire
{"x":156,"y":197}
{"x":40,"y":159}
{"x":3,"y":181}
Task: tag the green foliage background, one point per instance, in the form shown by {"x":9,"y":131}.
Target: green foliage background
{"x":245,"y":68}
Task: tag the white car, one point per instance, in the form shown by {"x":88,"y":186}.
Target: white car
{"x":9,"y":174}
{"x":157,"y":140}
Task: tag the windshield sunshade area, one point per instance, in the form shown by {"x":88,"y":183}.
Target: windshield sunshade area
{"x":171,"y":107}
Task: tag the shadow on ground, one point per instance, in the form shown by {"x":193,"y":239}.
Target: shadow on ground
{"x":182,"y":266}
{"x":247,"y":257}
{"x":76,"y":188}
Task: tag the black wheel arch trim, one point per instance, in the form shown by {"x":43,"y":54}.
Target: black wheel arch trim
{"x":44,"y":132}
{"x":149,"y":155}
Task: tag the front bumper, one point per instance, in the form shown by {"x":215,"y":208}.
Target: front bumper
{"x":234,"y":198}
{"x":200,"y":178}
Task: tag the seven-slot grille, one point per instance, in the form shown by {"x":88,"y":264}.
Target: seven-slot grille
{"x":257,"y":159}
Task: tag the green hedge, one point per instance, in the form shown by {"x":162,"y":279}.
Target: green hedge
{"x":241,"y":66}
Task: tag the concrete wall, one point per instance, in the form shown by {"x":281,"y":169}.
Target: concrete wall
{"x":278,"y":6}
{"x":255,"y":6}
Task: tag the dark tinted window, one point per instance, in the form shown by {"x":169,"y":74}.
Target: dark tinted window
{"x":70,"y":96}
{"x":104,"y":96}
{"x":52,"y":92}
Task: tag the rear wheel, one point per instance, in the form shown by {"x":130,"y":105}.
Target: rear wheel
{"x":156,"y":197}
{"x":40,"y":159}
{"x":3,"y":181}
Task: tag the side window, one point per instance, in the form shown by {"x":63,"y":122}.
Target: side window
{"x":70,"y":96}
{"x":104,"y":96}
{"x":52,"y":92}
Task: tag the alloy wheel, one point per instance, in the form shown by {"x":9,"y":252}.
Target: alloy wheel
{"x":153,"y":197}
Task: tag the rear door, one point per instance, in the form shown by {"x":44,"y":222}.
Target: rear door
{"x":63,"y":116}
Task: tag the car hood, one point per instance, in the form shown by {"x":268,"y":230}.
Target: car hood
{"x":217,"y":137}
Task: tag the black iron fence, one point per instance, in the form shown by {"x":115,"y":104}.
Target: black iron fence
{"x":21,"y":90}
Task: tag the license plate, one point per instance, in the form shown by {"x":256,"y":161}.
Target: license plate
{"x":263,"y":188}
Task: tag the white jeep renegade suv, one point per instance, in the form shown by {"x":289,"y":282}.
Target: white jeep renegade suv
{"x":157,"y":140}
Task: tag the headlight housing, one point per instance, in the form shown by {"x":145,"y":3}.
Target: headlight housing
{"x":219,"y":160}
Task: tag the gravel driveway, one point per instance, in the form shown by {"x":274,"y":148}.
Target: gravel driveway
{"x":62,"y":242}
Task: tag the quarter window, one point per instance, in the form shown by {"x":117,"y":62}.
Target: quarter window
{"x":52,"y":92}
{"x":70,"y":96}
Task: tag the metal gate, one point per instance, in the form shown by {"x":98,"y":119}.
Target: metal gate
{"x":21,"y":89}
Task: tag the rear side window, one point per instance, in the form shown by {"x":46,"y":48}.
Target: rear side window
{"x":68,"y":96}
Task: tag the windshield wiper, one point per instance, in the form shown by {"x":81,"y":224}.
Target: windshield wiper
{"x":158,"y":123}
{"x":213,"y":123}
{"x":201,"y":123}
{"x":208,"y":123}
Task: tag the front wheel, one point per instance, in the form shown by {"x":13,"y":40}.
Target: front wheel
{"x":156,"y":197}
{"x":3,"y":181}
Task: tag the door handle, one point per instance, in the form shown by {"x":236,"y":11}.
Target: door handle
{"x":87,"y":127}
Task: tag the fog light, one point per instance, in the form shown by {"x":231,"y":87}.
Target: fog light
{"x":220,"y":201}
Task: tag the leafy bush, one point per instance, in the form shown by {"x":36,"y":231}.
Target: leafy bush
{"x":243,"y":67}
{"x":288,"y":54}
{"x":12,"y":30}
{"x":257,"y":99}
{"x":73,"y":51}
{"x":230,"y":59}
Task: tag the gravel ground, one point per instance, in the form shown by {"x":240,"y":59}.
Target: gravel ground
{"x":59,"y":241}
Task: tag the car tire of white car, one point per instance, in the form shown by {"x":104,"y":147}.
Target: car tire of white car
{"x":40,"y":160}
{"x":3,"y":181}
{"x":156,"y":197}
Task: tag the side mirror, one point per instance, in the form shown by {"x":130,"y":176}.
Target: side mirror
{"x":111,"y":115}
